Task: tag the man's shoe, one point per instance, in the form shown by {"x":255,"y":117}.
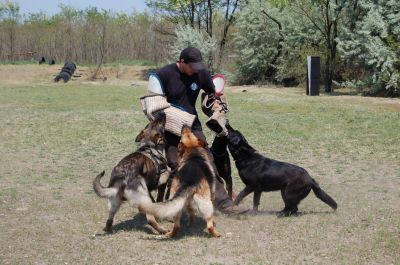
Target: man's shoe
{"x":234,"y":210}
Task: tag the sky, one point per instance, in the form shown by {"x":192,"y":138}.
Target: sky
{"x":50,"y":7}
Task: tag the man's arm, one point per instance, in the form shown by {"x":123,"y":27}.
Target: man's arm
{"x":206,"y":82}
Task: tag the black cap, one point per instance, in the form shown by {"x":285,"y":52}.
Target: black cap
{"x":192,"y":56}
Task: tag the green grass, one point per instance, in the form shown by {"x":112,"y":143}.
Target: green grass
{"x":56,"y":138}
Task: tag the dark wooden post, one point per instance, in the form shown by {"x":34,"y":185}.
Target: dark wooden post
{"x":313,"y":75}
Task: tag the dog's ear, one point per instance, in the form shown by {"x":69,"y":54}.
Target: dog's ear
{"x":139,"y":137}
{"x":202,"y":143}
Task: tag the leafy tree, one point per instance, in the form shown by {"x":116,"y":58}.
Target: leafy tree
{"x":325,"y":16}
{"x":257,"y":42}
{"x":272,"y":42}
{"x":371,"y":41}
{"x":190,"y":37}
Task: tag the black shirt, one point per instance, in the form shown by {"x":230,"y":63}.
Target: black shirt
{"x":182,"y":90}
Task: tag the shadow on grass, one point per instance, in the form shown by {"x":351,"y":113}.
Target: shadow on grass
{"x":139,"y":223}
{"x":196,"y":229}
{"x":276,"y":213}
{"x":298,"y":214}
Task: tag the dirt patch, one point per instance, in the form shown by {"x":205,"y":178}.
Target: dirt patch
{"x":44,"y":74}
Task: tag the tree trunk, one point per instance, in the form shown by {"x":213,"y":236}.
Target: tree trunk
{"x":12,"y":41}
{"x":210,"y":19}
{"x":328,"y":75}
{"x":271,"y":71}
{"x":330,"y":61}
{"x":229,"y":18}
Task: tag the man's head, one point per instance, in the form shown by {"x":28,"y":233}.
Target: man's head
{"x":191,"y":61}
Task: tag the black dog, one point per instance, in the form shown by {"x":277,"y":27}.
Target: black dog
{"x":222,"y":161}
{"x":260,"y":173}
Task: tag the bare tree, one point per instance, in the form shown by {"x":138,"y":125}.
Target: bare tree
{"x":103,"y":20}
{"x":204,"y":11}
{"x":9,"y":14}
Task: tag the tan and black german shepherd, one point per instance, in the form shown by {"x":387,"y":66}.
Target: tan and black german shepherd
{"x":193,"y":187}
{"x":136,"y":175}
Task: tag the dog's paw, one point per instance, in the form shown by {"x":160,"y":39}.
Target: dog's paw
{"x":287,"y":213}
{"x":164,"y":231}
{"x":213,"y":232}
{"x":282,"y":213}
{"x":252,"y":212}
{"x":170,"y":234}
{"x":108,"y":230}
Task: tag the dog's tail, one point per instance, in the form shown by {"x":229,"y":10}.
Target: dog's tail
{"x":101,"y":191}
{"x":323,"y":196}
{"x":170,"y":208}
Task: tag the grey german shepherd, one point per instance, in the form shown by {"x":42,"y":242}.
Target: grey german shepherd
{"x":136,"y":175}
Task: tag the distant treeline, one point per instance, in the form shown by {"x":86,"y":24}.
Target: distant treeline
{"x":84,"y":36}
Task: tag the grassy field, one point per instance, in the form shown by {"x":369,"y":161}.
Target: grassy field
{"x":55,"y":138}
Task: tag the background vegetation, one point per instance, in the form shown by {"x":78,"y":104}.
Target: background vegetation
{"x":257,"y":41}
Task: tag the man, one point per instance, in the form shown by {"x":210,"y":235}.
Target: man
{"x":181,"y":83}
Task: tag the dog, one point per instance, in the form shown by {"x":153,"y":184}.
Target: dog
{"x":137,"y":174}
{"x":193,"y":187}
{"x":219,"y":149}
{"x":260,"y":173}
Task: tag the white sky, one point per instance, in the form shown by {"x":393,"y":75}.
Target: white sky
{"x":50,"y":7}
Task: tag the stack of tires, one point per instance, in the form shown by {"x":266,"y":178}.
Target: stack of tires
{"x":66,"y":72}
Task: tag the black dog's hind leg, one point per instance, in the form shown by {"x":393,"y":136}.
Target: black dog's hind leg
{"x":246,"y":191}
{"x":292,"y":197}
{"x":229,"y":186}
{"x":113,"y":204}
{"x":256,"y":200}
{"x":290,"y":205}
